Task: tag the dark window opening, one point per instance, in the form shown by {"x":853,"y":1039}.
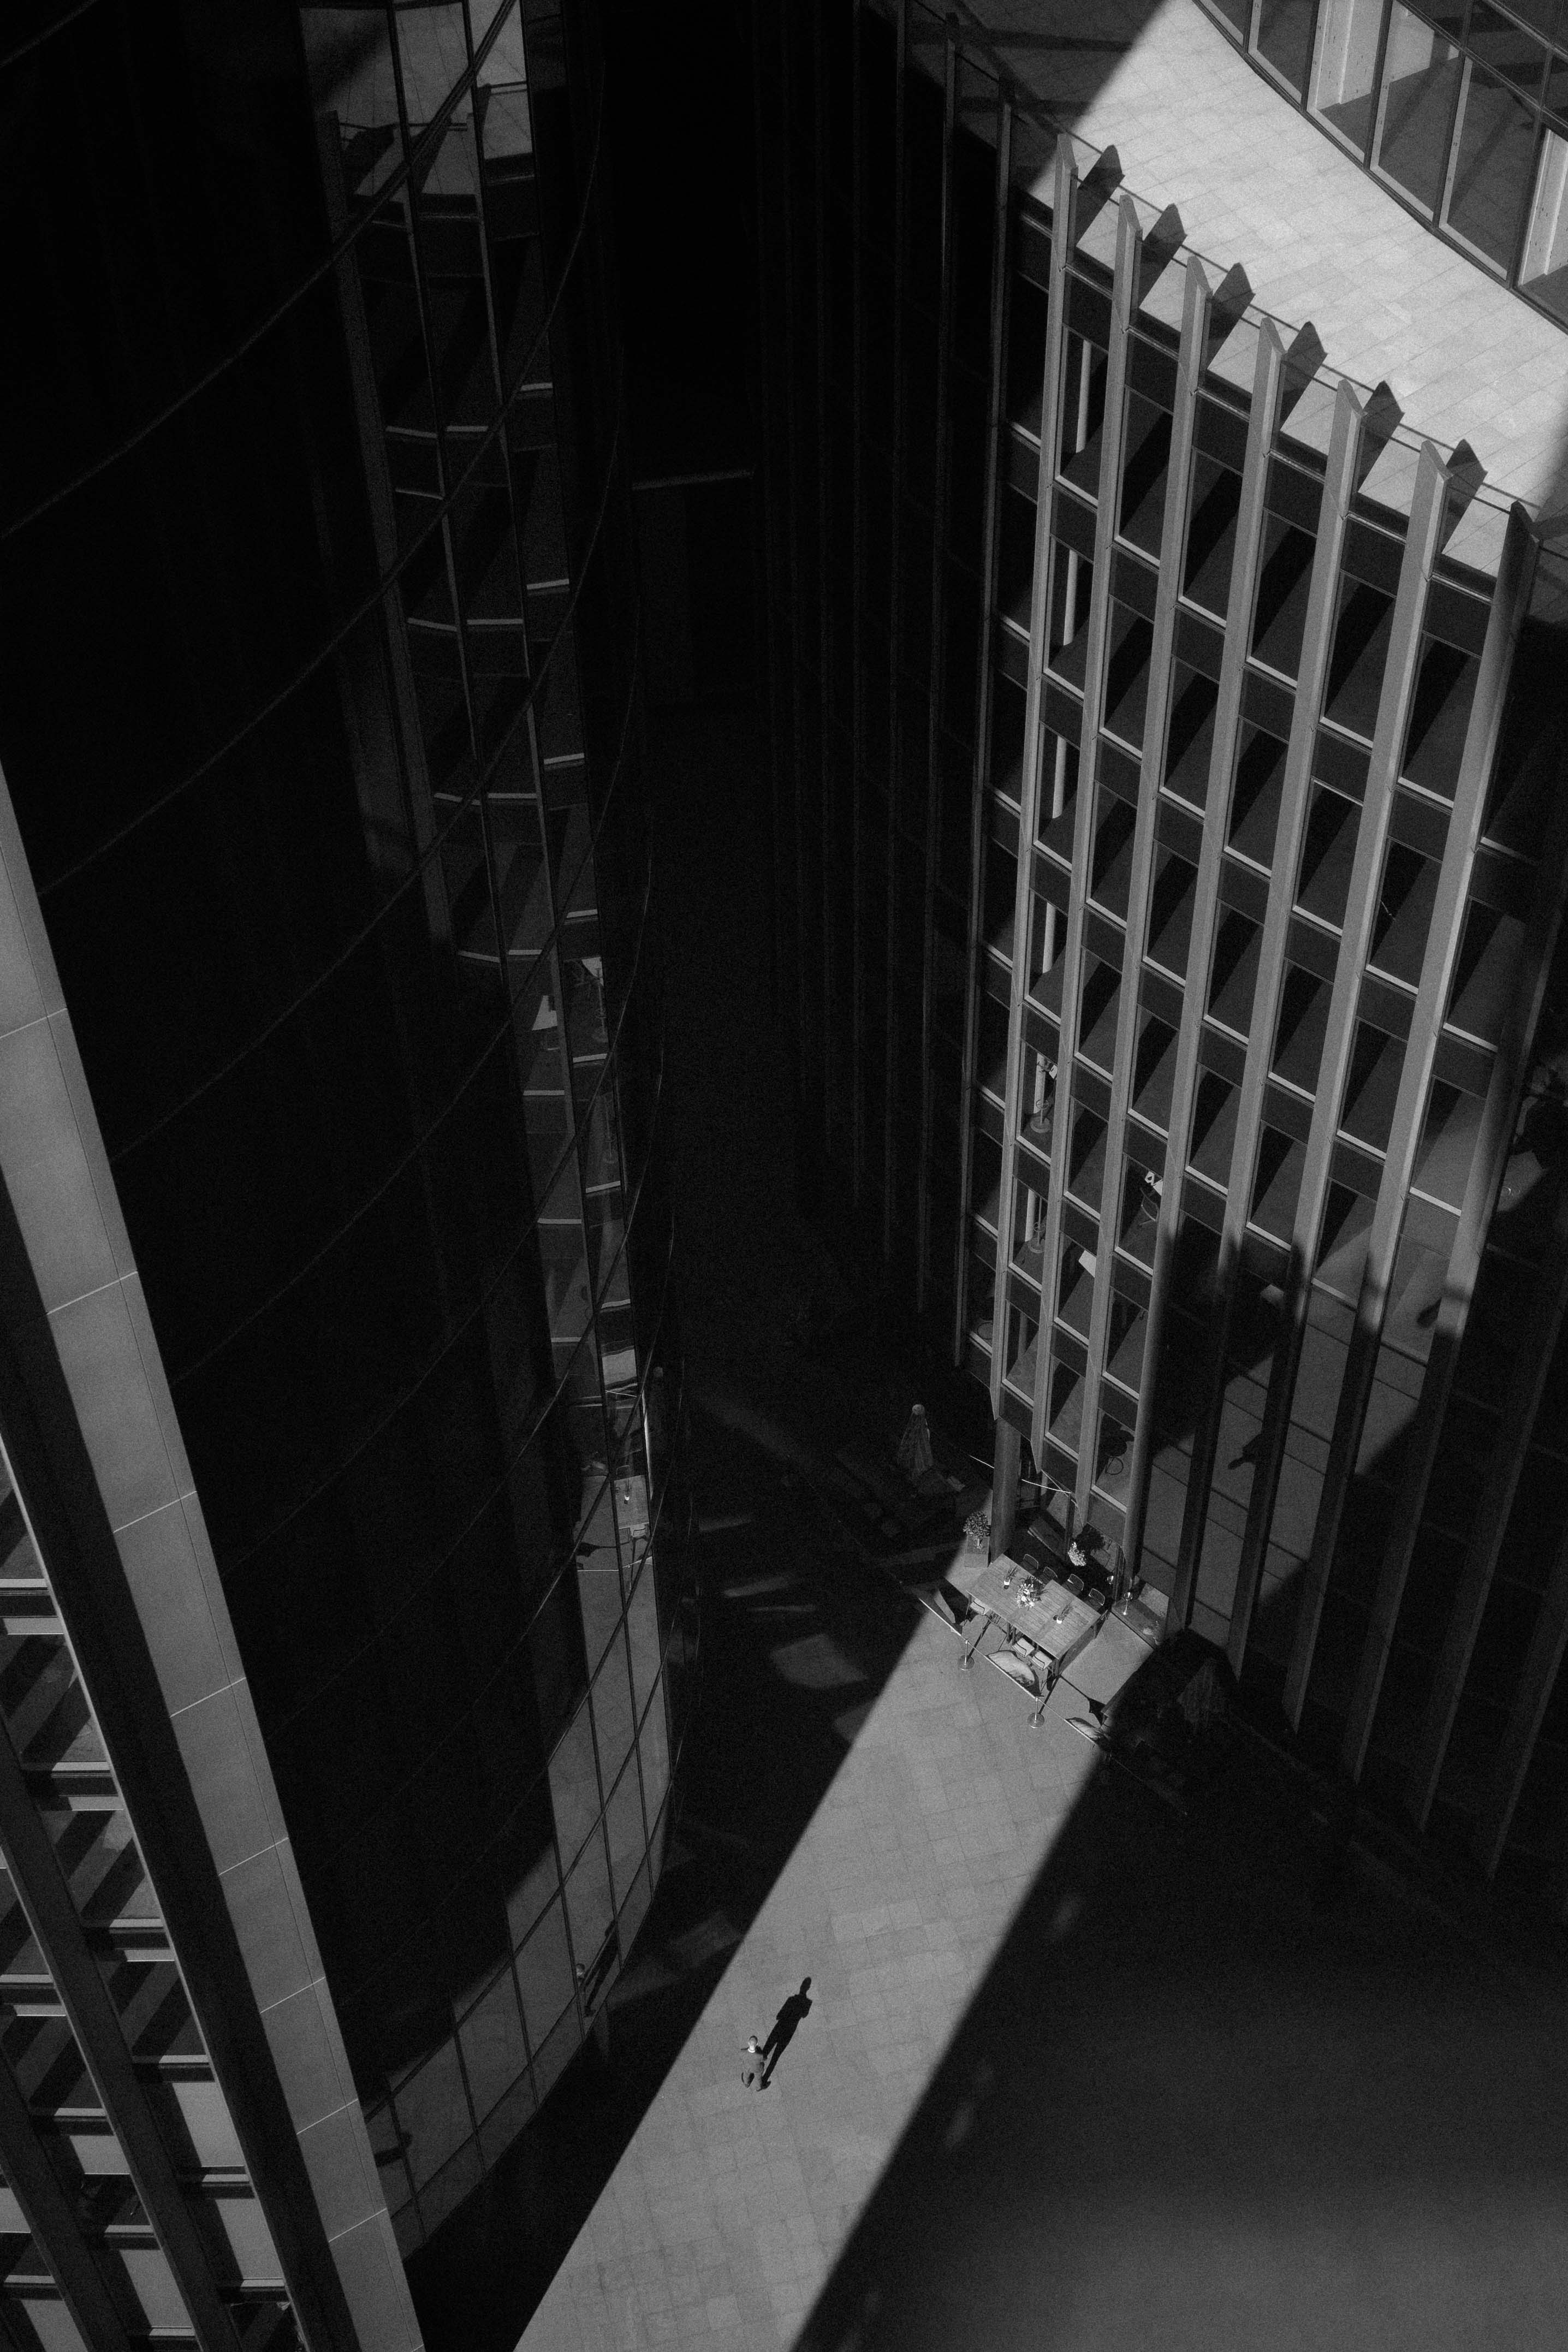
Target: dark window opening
{"x":1111,"y":871}
{"x":1373,"y":1087}
{"x":1190,"y":739}
{"x":1303,"y":1023}
{"x":1283,"y":580}
{"x":1146,"y":458}
{"x":1328,"y":854}
{"x":1098,"y":1009}
{"x":1235,"y":974}
{"x":1154,"y":1070}
{"x":1127,"y":673}
{"x":1213,"y":1127}
{"x":1171,"y":911}
{"x":1403,"y":911}
{"x":1360,"y":649}
{"x":1439,"y":716}
{"x":1210,"y":534}
{"x":1255,"y":798}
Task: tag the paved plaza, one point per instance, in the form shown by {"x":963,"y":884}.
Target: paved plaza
{"x":731,"y":2207}
{"x":1080,"y":2072}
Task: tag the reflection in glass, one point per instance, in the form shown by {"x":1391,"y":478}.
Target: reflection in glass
{"x":1491,"y":167}
{"x":1543,"y":272}
{"x":1284,"y":38}
{"x":1344,"y":71}
{"x":1420,"y":81}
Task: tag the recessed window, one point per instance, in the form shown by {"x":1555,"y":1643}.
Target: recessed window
{"x":1083,"y":414}
{"x":1110,"y":873}
{"x":1328,"y":854}
{"x":1344,"y":72}
{"x":1171,"y":911}
{"x":1210,"y":534}
{"x":1360,"y":649}
{"x":1146,"y":458}
{"x":1098,"y":1009}
{"x":1234,"y":972}
{"x":1283,"y":580}
{"x":1376,"y":1060}
{"x":1301,"y":1028}
{"x":1255,"y":797}
{"x":1421,"y":74}
{"x":1131,"y":643}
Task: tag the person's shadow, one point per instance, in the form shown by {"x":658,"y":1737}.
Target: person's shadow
{"x":784,"y":2029}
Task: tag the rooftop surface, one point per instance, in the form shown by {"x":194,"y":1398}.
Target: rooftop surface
{"x":1256,"y":181}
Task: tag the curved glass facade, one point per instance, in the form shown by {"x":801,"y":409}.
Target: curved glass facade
{"x":320,"y":712}
{"x":1459,"y":108}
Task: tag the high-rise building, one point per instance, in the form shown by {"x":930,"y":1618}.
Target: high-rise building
{"x":347,"y":1649}
{"x":1171,"y":819}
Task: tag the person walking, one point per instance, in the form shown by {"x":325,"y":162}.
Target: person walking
{"x":751,"y":2060}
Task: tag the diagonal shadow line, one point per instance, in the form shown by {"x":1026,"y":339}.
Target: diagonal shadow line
{"x":1196,"y":2104}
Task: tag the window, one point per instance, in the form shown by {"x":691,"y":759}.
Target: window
{"x":1190,"y":738}
{"x":1210,"y":534}
{"x":1255,"y":798}
{"x":1147,"y":455}
{"x":1492,"y":156}
{"x":1345,"y":68}
{"x":1543,"y":272}
{"x":1421,"y":74}
{"x":1285,"y":39}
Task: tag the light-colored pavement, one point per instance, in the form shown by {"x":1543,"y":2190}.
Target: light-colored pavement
{"x":1257,"y":182}
{"x":726,"y":2213}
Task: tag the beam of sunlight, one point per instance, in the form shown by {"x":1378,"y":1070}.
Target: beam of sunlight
{"x":731,"y":2206}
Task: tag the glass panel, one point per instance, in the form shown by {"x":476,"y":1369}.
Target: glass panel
{"x":575,"y":1786}
{"x":432,"y":2110}
{"x":1500,"y":44}
{"x":1346,"y":67}
{"x":1083,"y":413}
{"x":1132,"y":641}
{"x":1283,"y":581}
{"x":1255,"y":800}
{"x":589,"y":1906}
{"x":624,"y":1824}
{"x":1147,"y":455}
{"x":1189,"y":742}
{"x":494,"y":2052}
{"x":1491,"y":167}
{"x":1210,"y":534}
{"x":1420,"y":82}
{"x":1285,"y":38}
{"x":1543,"y":272}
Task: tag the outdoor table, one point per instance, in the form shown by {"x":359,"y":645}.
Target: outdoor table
{"x":1058,"y":1623}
